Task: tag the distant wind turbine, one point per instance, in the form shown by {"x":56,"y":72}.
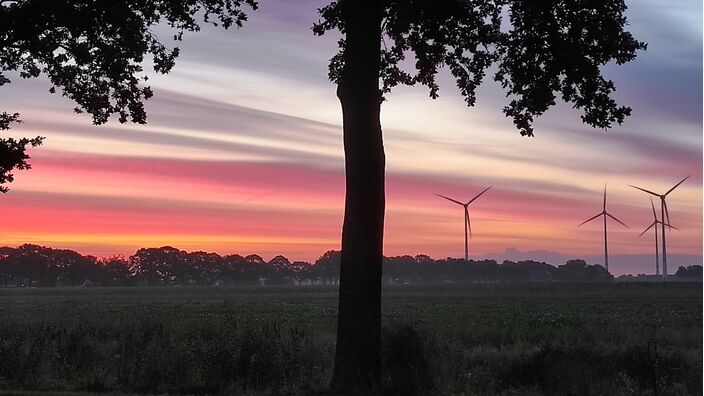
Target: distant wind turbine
{"x":654,"y":224}
{"x":606,"y":244}
{"x":467,"y":223}
{"x":665,"y":216}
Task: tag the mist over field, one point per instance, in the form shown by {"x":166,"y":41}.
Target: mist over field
{"x":621,"y":263}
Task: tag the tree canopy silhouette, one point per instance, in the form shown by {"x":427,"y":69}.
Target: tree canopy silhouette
{"x":93,"y":52}
{"x":540,"y":50}
{"x":13,"y":152}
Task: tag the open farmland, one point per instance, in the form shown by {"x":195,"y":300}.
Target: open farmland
{"x":484,"y":339}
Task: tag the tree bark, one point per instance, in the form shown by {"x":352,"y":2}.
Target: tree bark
{"x":358,"y":352}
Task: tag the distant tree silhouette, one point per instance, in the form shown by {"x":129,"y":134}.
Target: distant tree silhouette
{"x":203,"y":268}
{"x":514,"y":271}
{"x":541,"y":49}
{"x":401,"y":269}
{"x":302,"y":271}
{"x":157,"y":266}
{"x":30,"y":265}
{"x":578,"y":270}
{"x":117,"y":271}
{"x":237,"y":270}
{"x":71,"y":267}
{"x":328,"y":266}
{"x":691,"y":271}
{"x":255,"y":259}
{"x":279,"y":271}
{"x":92,"y":51}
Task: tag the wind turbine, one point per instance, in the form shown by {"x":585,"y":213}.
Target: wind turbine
{"x":665,"y":216}
{"x":467,"y":223}
{"x":606,"y":244}
{"x":654,"y":224}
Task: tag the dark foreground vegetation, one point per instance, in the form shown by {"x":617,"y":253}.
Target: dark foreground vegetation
{"x":32,"y":265}
{"x":527,"y":339}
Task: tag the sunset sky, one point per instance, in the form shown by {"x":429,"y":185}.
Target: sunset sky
{"x":242,"y":153}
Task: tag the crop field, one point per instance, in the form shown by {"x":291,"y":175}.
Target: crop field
{"x":555,"y":339}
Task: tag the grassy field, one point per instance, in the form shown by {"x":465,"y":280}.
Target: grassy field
{"x":482,"y":340}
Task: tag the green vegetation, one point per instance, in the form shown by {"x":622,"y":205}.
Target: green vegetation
{"x":484,"y":339}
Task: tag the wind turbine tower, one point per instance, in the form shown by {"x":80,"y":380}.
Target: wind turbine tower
{"x":655,"y":224}
{"x":665,"y":216}
{"x":605,"y":214}
{"x":467,"y":222}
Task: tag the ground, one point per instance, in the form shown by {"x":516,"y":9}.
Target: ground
{"x":473,"y":340}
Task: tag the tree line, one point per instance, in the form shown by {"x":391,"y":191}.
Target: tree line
{"x":33,"y":265}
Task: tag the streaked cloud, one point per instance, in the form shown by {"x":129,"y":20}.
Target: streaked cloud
{"x":243,"y":152}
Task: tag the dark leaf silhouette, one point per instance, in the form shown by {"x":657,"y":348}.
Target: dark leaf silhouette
{"x":93,"y":53}
{"x":13,"y":152}
{"x":541,"y":50}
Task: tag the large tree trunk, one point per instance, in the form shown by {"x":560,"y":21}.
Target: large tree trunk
{"x":358,"y":354}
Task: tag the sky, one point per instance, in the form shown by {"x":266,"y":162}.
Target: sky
{"x":243,"y":154}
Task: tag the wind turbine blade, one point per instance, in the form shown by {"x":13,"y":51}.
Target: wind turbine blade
{"x":587,"y":221}
{"x":478,"y":195}
{"x":646,"y":230}
{"x":655,"y":215}
{"x":450,"y":199}
{"x":644,"y":190}
{"x":667,"y":212}
{"x":469,"y":223}
{"x":622,"y":223}
{"x":604,"y":197}
{"x":677,"y":185}
{"x":670,"y":226}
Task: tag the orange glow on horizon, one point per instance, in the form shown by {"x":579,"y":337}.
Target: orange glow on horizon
{"x":245,"y":208}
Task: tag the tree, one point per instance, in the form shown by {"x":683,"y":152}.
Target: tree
{"x":158,"y":266}
{"x":72,"y":267}
{"x":31,"y":264}
{"x":117,"y":270}
{"x":237,"y":270}
{"x":203,"y":268}
{"x":691,"y":271}
{"x":279,"y":270}
{"x":301,"y":271}
{"x":93,"y":52}
{"x":327,"y":266}
{"x":577,"y":270}
{"x":543,"y":49}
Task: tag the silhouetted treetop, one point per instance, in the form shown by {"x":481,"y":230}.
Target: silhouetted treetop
{"x":93,"y":50}
{"x":540,"y":49}
{"x":13,"y":152}
{"x":690,"y":271}
{"x":255,"y":259}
